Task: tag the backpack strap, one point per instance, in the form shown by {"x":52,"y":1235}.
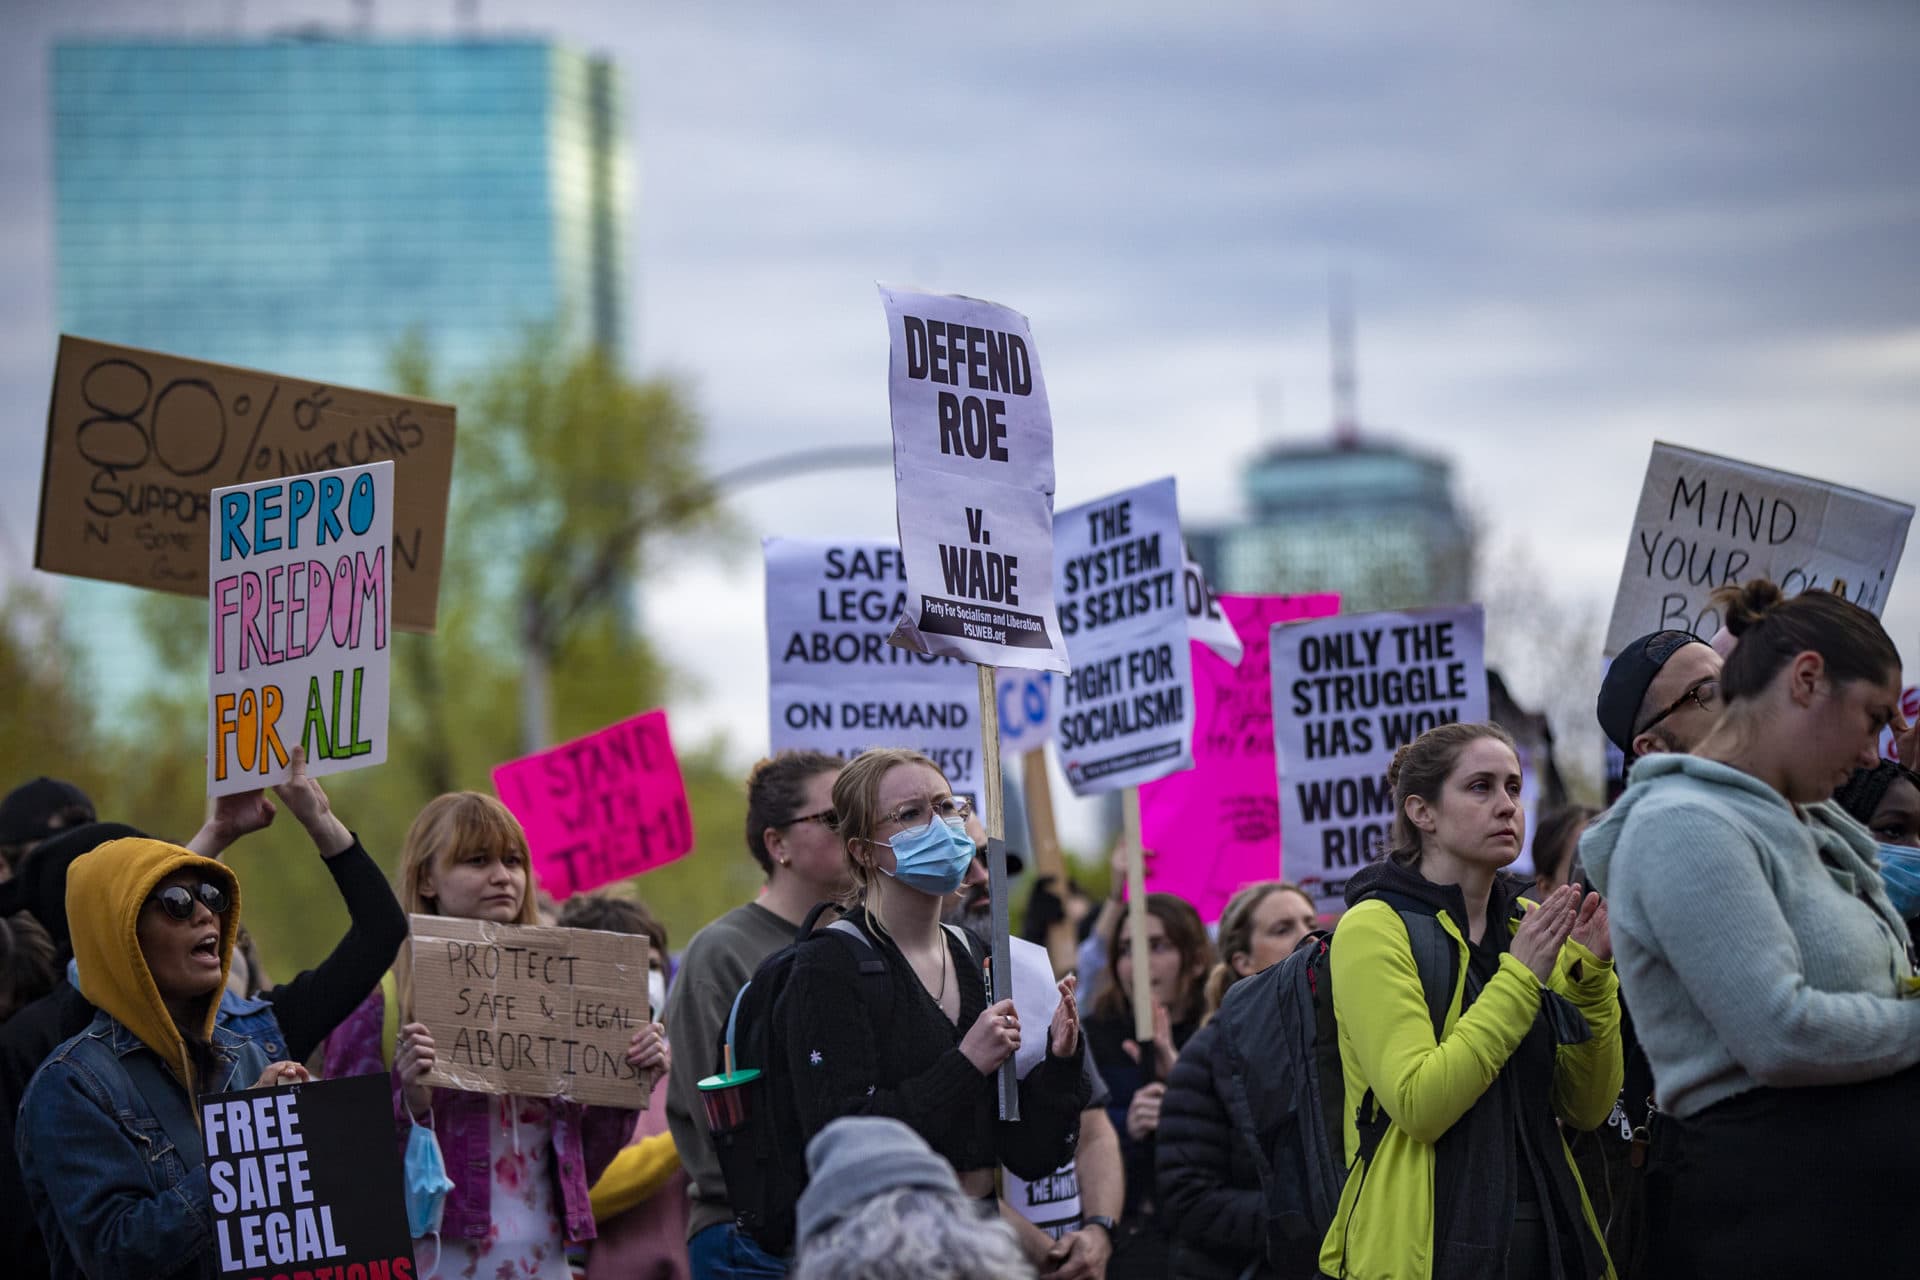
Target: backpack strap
{"x":813,"y":917}
{"x":876,"y":984}
{"x":1435,"y":958}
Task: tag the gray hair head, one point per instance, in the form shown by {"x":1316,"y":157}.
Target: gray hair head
{"x":914,"y":1234}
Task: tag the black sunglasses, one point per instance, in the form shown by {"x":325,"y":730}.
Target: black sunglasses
{"x":826,"y":818}
{"x":178,"y":901}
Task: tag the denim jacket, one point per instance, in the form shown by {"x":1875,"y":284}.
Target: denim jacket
{"x":585,"y":1139}
{"x":114,"y":1198}
{"x":248,"y":1016}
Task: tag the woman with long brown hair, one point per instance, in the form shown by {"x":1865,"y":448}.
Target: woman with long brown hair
{"x":1179,"y":956}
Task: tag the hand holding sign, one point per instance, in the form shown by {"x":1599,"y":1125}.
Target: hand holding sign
{"x":413,"y":1058}
{"x":648,"y":1050}
{"x":279,"y":1073}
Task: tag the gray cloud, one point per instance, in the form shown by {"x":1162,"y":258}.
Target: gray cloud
{"x":1572,"y":230}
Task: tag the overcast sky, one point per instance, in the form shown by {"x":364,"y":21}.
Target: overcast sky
{"x":1571,"y":229}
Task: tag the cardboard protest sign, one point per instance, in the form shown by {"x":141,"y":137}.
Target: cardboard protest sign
{"x":1207,"y":622}
{"x":1126,"y":706}
{"x":1216,"y":826}
{"x":1024,"y":700}
{"x":1705,"y":521}
{"x":1347,"y":693}
{"x":137,"y":441}
{"x":531,"y":1010}
{"x":834,"y":684}
{"x":305,"y":1181}
{"x":299,"y":611}
{"x":600,"y":808}
{"x":973,"y":482}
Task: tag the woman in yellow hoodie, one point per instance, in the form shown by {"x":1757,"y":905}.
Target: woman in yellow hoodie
{"x":109,"y":1137}
{"x":1469,"y":1019}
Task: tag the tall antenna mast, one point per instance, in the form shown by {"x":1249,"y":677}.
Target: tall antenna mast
{"x":1346,"y":379}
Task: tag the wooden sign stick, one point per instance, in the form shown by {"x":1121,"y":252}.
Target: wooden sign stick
{"x":1001,"y":985}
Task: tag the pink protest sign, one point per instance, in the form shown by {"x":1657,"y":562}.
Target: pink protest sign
{"x":1216,"y":826}
{"x":600,"y":808}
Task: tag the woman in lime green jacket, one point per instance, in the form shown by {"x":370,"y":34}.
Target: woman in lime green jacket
{"x":1456,"y":1167}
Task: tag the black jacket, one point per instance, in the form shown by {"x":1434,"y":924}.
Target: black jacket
{"x":1210,"y":1198}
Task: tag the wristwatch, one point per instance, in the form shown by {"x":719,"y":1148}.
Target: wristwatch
{"x":1098,"y":1220}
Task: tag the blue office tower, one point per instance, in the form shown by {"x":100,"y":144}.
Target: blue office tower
{"x":300,"y":204}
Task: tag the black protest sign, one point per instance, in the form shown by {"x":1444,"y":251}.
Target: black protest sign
{"x":306,"y":1182}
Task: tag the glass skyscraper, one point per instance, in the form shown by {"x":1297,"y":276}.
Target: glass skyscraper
{"x":300,"y":204}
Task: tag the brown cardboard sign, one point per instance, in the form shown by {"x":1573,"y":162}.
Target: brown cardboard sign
{"x":138,"y":440}
{"x":531,"y":1010}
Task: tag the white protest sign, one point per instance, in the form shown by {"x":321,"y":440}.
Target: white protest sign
{"x":1051,"y":1203}
{"x":1705,"y":521}
{"x":1126,"y":708}
{"x":834,"y":684}
{"x":973,"y":482}
{"x":299,"y":609}
{"x":1207,"y":622}
{"x":1347,"y":693}
{"x":1025,"y":702}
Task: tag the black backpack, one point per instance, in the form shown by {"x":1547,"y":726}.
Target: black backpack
{"x":764,"y":1159}
{"x":1285,"y":1088}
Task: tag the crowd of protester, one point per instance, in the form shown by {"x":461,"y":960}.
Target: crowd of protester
{"x":1687,"y":1045}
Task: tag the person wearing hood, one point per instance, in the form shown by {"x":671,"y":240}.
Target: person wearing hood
{"x":109,"y":1138}
{"x":1455,"y":1164}
{"x":289,"y":1021}
{"x":1768,"y":971}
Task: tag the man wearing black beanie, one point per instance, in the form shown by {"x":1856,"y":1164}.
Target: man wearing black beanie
{"x":1661,"y":694}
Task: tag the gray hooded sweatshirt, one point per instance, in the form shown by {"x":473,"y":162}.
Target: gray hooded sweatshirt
{"x":1754,"y":941}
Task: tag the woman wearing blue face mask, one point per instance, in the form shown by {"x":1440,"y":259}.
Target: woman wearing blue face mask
{"x":1886,"y":801}
{"x":929,"y":1060}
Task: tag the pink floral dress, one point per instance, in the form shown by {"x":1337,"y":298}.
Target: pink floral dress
{"x":527,"y":1241}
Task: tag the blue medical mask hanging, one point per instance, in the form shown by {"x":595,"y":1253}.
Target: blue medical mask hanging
{"x":933,"y":858}
{"x":424,"y":1174}
{"x":1900,"y":873}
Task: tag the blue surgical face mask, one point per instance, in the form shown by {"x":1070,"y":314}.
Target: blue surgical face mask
{"x":1900,"y":873}
{"x":934,"y":858}
{"x":424,"y":1174}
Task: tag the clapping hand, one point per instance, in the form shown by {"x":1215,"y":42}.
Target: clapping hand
{"x":1590,"y":927}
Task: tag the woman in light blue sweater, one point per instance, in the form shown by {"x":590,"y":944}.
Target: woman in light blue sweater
{"x":1769,"y":976}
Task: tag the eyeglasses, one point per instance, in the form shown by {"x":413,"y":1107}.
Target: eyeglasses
{"x":826,"y":818}
{"x":1705,"y":695}
{"x":916,"y":815}
{"x":178,"y":900}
